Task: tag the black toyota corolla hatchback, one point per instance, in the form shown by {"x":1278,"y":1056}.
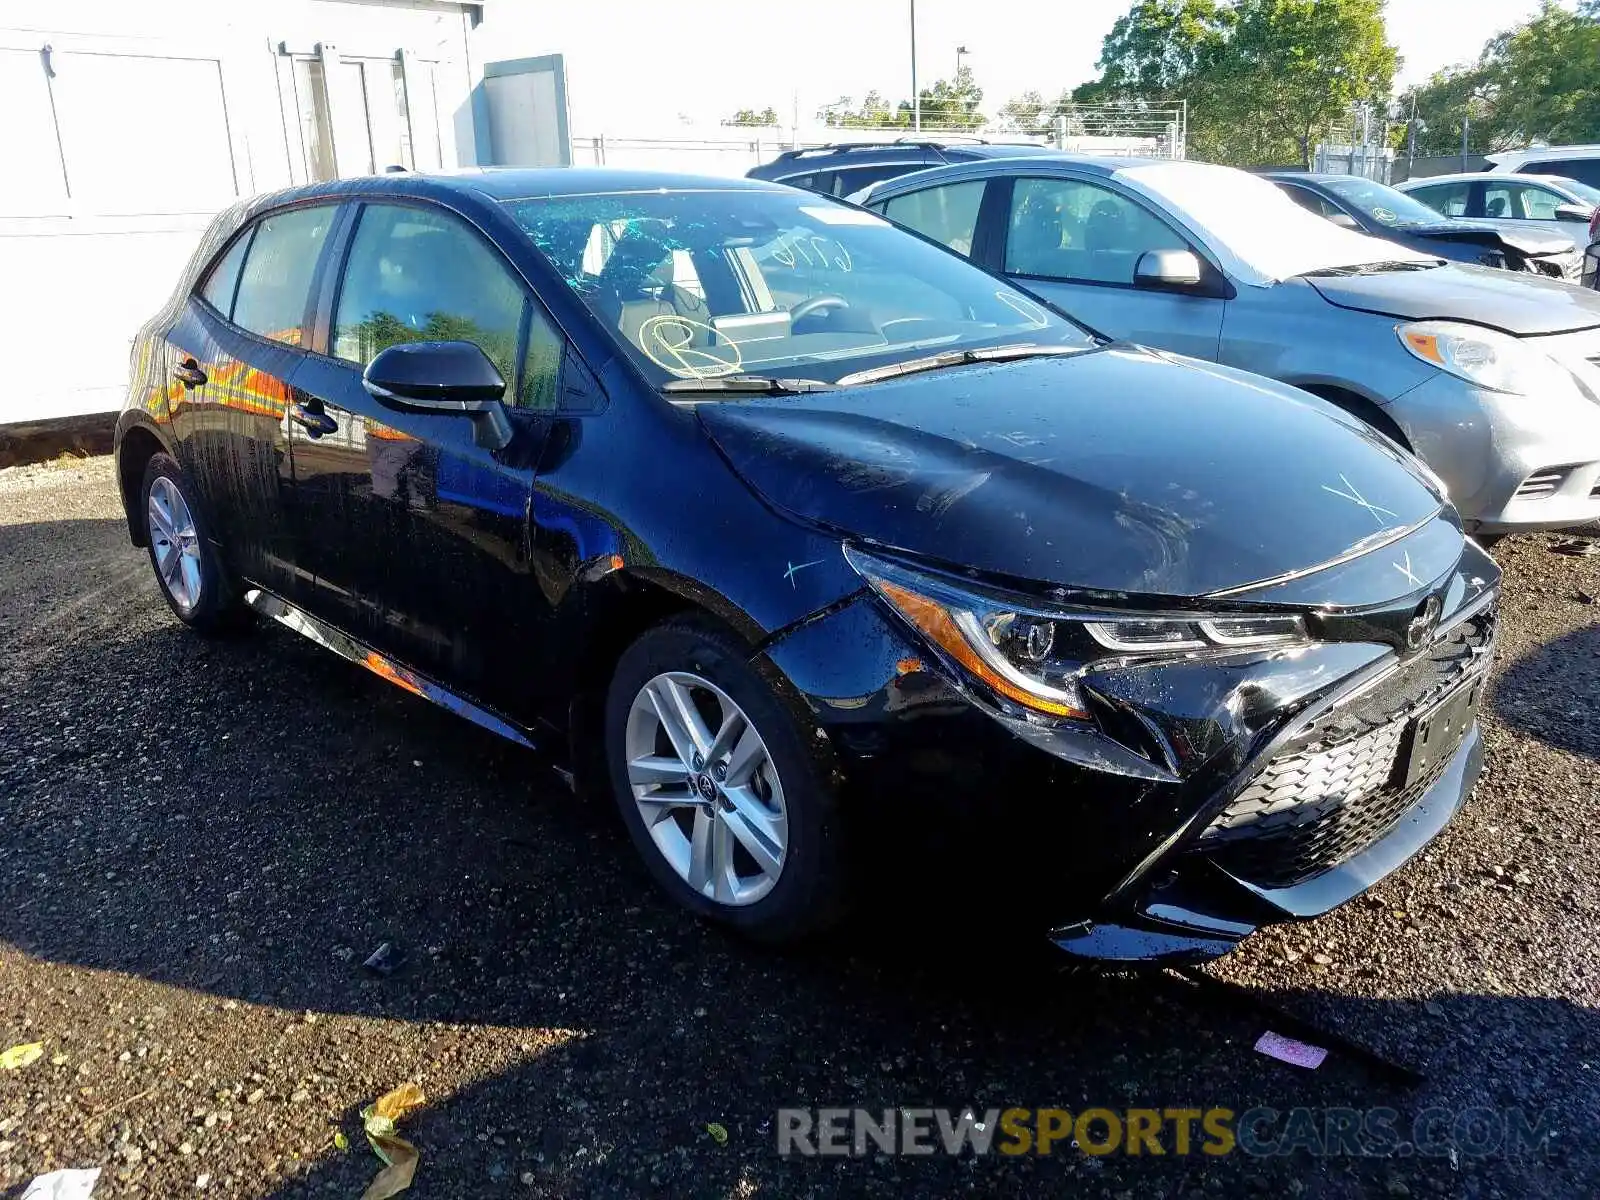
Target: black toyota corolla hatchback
{"x":791,"y":529}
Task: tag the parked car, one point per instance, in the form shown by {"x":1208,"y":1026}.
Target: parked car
{"x":1567,"y":206}
{"x":845,"y":167}
{"x":778,"y":522}
{"x":1367,"y":206}
{"x":1219,"y":264}
{"x":1580,"y":163}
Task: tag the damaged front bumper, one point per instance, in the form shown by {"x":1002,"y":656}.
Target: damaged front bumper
{"x":1207,"y":798}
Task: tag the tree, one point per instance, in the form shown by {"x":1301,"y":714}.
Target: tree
{"x":953,"y":104}
{"x":948,"y":104}
{"x":749,"y":116}
{"x":1534,"y":82}
{"x":874,"y":112}
{"x":1028,"y":113}
{"x":1262,"y":77}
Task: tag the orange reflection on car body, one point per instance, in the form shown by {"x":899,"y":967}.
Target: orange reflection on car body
{"x":385,"y":669}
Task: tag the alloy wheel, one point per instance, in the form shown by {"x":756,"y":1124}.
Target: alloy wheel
{"x":175,"y":543}
{"x":707,"y":790}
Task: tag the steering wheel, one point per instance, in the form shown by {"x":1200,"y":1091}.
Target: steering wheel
{"x":814,"y":305}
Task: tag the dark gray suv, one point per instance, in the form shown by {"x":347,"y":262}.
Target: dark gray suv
{"x":846,"y":167}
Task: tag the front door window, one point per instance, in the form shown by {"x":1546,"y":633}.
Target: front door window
{"x":1074,"y":230}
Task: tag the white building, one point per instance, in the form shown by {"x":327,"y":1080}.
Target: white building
{"x":124,"y":127}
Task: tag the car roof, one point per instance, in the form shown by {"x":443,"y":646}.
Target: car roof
{"x":1586,"y":150}
{"x":1315,"y":176}
{"x":1104,"y":165}
{"x":517,"y":183}
{"x":1485,"y":176}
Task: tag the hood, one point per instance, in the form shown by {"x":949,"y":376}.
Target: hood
{"x":1533,"y":242}
{"x":1117,"y":470}
{"x":1509,"y":300}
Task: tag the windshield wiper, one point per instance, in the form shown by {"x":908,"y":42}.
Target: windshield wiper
{"x":955,"y":358}
{"x":753,"y":384}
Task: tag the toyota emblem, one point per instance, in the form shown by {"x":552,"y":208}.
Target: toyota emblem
{"x":1423,"y":623}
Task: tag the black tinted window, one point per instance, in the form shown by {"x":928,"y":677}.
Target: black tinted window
{"x":857,"y":178}
{"x":417,"y":275}
{"x":1584,"y":170}
{"x":218,"y":291}
{"x":274,"y":286}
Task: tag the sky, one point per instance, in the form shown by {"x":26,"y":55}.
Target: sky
{"x":636,"y":65}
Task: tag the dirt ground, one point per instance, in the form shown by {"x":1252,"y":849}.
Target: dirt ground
{"x":200,"y":843}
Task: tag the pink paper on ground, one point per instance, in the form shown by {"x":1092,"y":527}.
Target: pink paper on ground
{"x":1297,"y":1054}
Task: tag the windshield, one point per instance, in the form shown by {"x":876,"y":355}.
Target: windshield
{"x":703,"y":284}
{"x":1382,"y":203}
{"x":1252,"y":221}
{"x":1580,"y":189}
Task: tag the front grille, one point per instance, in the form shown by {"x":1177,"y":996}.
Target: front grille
{"x":1548,"y":267}
{"x":1339,"y":785}
{"x":1541,"y":484}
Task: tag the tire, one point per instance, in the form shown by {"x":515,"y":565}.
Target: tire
{"x":189,"y":572}
{"x":770,"y":866}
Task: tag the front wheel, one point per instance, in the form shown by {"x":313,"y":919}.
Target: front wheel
{"x":719,"y":793}
{"x":193,"y":581}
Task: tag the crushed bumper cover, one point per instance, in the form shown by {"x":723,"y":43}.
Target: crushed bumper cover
{"x":1200,"y":910}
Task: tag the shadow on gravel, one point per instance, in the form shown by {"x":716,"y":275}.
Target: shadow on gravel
{"x":1550,"y":692}
{"x":250,"y":819}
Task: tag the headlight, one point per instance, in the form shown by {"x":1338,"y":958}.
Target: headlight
{"x":1033,"y":654}
{"x":1488,"y":358}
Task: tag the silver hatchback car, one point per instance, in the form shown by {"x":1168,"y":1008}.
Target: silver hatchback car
{"x":1491,"y":378}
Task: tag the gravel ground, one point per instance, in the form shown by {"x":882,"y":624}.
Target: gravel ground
{"x":203,"y":841}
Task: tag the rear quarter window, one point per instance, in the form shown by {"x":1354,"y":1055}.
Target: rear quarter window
{"x":220,"y":283}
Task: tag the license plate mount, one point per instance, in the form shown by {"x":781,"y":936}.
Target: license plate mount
{"x":1437,"y":733}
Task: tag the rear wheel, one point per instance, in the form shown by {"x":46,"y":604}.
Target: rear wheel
{"x":715,"y":785}
{"x":192,"y":578}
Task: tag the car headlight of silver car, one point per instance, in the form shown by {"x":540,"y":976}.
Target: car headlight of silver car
{"x":1034,"y":653}
{"x":1485,"y":357}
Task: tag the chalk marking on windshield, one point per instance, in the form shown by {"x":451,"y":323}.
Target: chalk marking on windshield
{"x":1025,"y":308}
{"x":793,"y":568}
{"x":1356,"y":498}
{"x":671,"y":334}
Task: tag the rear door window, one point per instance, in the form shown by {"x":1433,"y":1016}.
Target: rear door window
{"x":417,"y":275}
{"x":1447,"y":198}
{"x":276,"y":280}
{"x":1584,"y":170}
{"x":1074,"y":230}
{"x":947,"y":214}
{"x":849,"y":182}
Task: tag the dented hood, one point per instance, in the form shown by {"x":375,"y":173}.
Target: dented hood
{"x":1512,"y":301}
{"x":1116,"y":470}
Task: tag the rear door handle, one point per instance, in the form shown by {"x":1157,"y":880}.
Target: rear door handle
{"x":188,"y":373}
{"x":313,"y":420}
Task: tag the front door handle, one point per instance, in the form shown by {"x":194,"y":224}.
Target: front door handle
{"x":189,"y":374}
{"x":313,"y":420}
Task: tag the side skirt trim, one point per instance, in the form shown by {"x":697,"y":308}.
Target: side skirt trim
{"x":358,"y":652}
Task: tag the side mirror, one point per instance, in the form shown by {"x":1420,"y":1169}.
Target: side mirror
{"x":1167,"y":268}
{"x":442,"y":377}
{"x":1344,"y":220}
{"x":1573,"y":212}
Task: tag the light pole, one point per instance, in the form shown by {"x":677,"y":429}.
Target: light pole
{"x":916,"y":96}
{"x":961,"y":52}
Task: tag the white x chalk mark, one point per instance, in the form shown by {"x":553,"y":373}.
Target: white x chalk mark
{"x":1357,"y":498}
{"x":1406,"y":571}
{"x":790,"y":573}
